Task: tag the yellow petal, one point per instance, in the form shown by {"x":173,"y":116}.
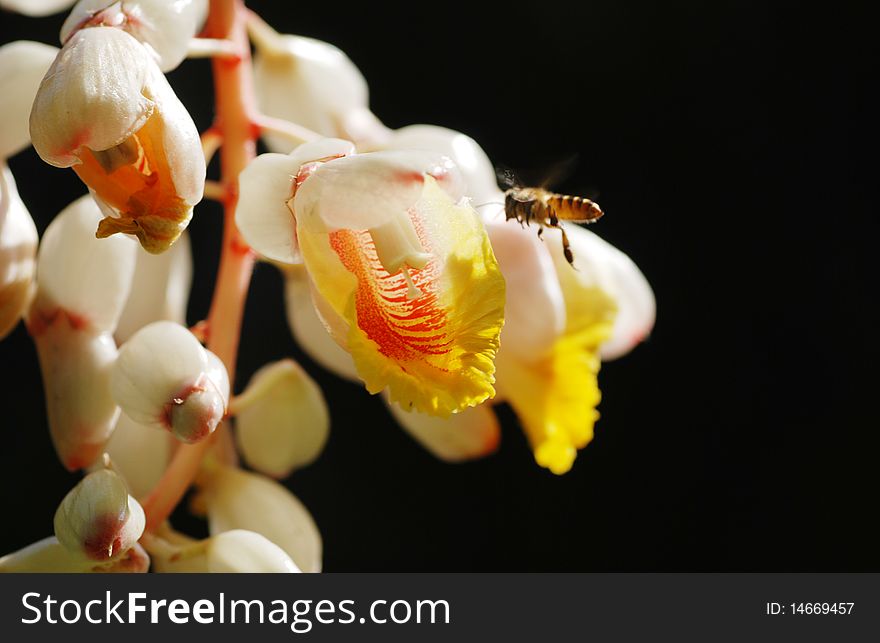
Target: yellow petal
{"x":556,"y":397}
{"x":431,"y":342}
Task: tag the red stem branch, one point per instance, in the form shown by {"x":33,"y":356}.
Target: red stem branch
{"x":234,"y":104}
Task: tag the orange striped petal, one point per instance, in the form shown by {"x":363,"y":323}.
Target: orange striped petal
{"x":412,"y":274}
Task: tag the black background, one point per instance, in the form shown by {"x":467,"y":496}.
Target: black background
{"x":732,"y":145}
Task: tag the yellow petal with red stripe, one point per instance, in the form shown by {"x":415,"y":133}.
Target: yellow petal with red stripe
{"x":431,"y":342}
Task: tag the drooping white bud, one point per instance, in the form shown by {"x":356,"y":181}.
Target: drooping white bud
{"x":82,"y":284}
{"x":282,"y":419}
{"x":314,"y":84}
{"x":18,"y":248}
{"x":105,"y":109}
{"x":23,"y":64}
{"x":160,"y":289}
{"x":86,"y":278}
{"x":165,"y":378}
{"x":165,"y":27}
{"x":237,"y":499}
{"x":36,"y":8}
{"x":98,"y":519}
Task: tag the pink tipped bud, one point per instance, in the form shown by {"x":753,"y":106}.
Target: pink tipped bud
{"x":165,"y":378}
{"x":98,"y":518}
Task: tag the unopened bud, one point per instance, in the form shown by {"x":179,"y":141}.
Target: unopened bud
{"x":98,"y":518}
{"x":282,"y":419}
{"x":165,"y":378}
{"x":237,"y":499}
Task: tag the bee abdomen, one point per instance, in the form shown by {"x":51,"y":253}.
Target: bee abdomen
{"x":574,"y":208}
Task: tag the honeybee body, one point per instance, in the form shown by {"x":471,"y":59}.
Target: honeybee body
{"x":545,"y":208}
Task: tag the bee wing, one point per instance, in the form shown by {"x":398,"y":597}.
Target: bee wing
{"x":559,"y":171}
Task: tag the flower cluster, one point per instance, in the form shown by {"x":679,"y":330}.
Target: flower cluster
{"x":402,"y":272}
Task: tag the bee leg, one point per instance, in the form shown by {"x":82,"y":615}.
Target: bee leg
{"x":566,"y":248}
{"x":541,"y":233}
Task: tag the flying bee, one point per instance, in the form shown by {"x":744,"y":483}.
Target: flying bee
{"x":545,"y":208}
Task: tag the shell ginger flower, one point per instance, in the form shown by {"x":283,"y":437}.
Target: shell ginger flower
{"x":105,"y":109}
{"x":404,"y":276}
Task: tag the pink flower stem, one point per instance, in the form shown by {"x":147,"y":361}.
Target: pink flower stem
{"x":235,"y":107}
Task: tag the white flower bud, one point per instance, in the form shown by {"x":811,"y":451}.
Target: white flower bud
{"x":139,"y":453}
{"x":105,"y":109}
{"x":36,"y":8}
{"x":86,"y":278}
{"x":282,"y":419}
{"x":314,"y":84}
{"x":237,"y":499}
{"x":98,"y":518}
{"x":165,"y":378}
{"x":76,"y":368}
{"x":165,"y":27}
{"x":22,"y":66}
{"x":240,"y":551}
{"x":160,"y":289}
{"x":18,"y":247}
{"x":82,"y":284}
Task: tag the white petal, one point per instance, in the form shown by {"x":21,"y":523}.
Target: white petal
{"x":165,"y":378}
{"x":601,"y":264}
{"x":164,"y":26}
{"x":92,"y":95}
{"x":139,"y":453}
{"x":534,"y":311}
{"x":308,"y":82}
{"x":265,"y":187}
{"x":160,"y":289}
{"x":237,"y":499}
{"x":98,"y":518}
{"x":18,"y":249}
{"x":22,"y":66}
{"x":86,"y":277}
{"x":476,"y":168}
{"x":36,"y":8}
{"x":282,"y":419}
{"x":366,"y":191}
{"x":309,"y":330}
{"x":473,"y":433}
{"x":239,"y":551}
{"x":76,"y":368}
